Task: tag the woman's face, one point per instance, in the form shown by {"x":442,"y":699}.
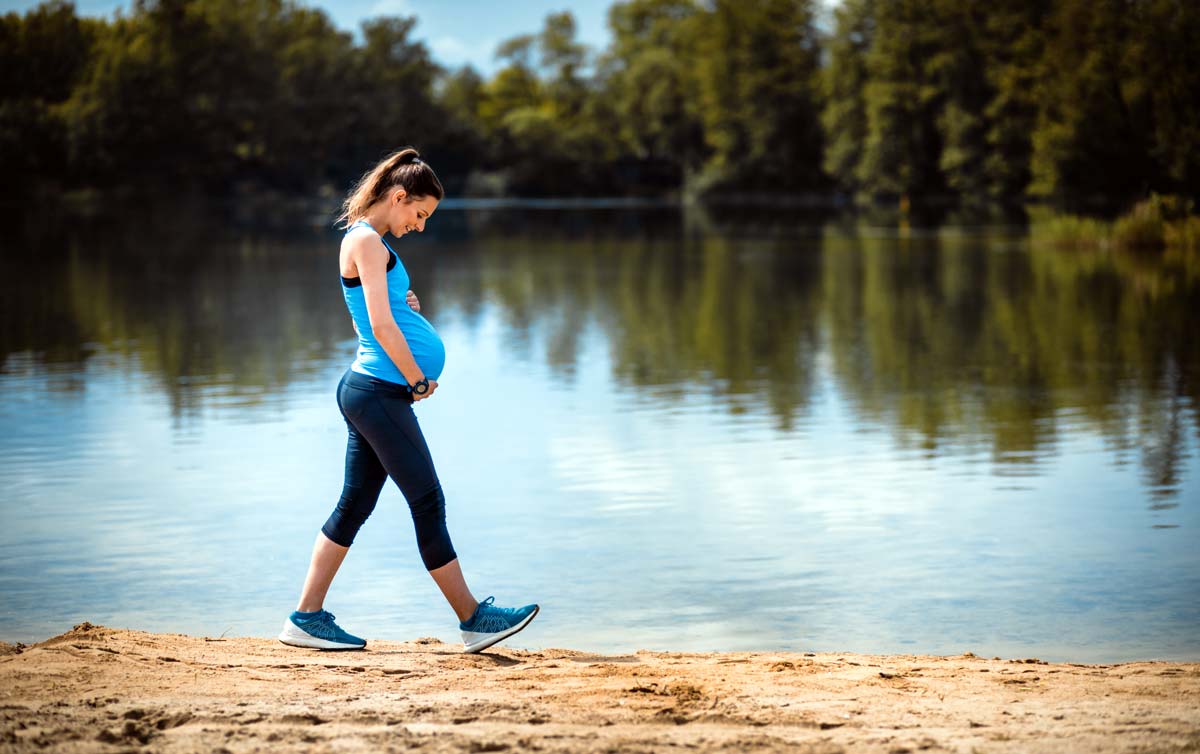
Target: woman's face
{"x":407,"y":213}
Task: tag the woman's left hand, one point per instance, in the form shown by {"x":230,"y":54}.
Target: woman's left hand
{"x":411,"y":299}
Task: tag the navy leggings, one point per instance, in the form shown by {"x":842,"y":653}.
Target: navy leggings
{"x":385,"y":440}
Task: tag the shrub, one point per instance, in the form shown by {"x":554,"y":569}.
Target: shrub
{"x":1071,"y":231}
{"x":1142,"y":226}
{"x":1183,"y":234}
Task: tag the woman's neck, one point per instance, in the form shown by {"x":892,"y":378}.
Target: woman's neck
{"x":377,"y":224}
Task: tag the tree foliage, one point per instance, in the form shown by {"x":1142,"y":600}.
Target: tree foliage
{"x":1072,"y":99}
{"x":968,"y":100}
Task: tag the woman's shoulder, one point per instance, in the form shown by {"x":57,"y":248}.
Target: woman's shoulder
{"x":360,"y":247}
{"x":361,"y":237}
{"x":358,"y":228}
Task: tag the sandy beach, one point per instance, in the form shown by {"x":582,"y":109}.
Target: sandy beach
{"x":102,"y":689}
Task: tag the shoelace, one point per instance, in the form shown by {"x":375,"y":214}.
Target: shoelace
{"x":490,"y":609}
{"x":492,"y":619}
{"x":323,"y":622}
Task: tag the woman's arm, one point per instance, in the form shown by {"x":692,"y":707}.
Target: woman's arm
{"x":369,"y":255}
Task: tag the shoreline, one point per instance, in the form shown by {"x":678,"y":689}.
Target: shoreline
{"x":100,"y":689}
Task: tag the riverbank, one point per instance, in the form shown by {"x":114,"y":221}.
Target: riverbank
{"x":101,"y":689}
{"x":1156,"y":223}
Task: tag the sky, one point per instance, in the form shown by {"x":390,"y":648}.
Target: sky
{"x":459,"y":32}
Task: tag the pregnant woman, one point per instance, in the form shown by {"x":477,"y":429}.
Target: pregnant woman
{"x":400,"y":358}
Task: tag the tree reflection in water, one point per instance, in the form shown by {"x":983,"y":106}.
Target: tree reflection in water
{"x":951,"y":339}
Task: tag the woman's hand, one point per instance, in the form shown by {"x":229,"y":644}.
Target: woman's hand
{"x":413,"y":303}
{"x":427,"y":393}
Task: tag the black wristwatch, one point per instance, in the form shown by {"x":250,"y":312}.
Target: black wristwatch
{"x":422,"y":387}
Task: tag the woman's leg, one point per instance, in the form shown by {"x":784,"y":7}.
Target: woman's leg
{"x":311,"y":626}
{"x":391,"y":428}
{"x":364,"y":480}
{"x":327,"y":557}
{"x":449,"y":579}
{"x":400,"y":445}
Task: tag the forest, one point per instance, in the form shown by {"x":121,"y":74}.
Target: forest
{"x":1083,"y":104}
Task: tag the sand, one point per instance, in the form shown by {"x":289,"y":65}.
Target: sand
{"x":101,"y":689}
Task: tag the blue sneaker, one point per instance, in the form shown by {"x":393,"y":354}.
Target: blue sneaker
{"x":317,"y":631}
{"x":490,"y":624}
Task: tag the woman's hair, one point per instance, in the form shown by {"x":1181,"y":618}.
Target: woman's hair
{"x":403,"y":169}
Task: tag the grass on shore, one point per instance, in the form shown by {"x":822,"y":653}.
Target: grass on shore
{"x":1155,"y":223}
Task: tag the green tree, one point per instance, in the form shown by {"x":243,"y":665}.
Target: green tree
{"x":310,"y":117}
{"x":585,"y":145}
{"x":1012,"y":41}
{"x":958,"y":71}
{"x":126,"y":114}
{"x":562,"y":58}
{"x":1071,"y":99}
{"x":902,"y":149}
{"x":1088,"y":142}
{"x":519,"y":128}
{"x":391,"y":90}
{"x":460,"y":94}
{"x":1162,"y":56}
{"x":844,"y":116}
{"x":645,"y":78}
{"x":547,"y":131}
{"x":756,"y":68}
{"x":42,"y":56}
{"x":179,"y":91}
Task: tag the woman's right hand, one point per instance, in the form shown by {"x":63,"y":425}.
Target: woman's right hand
{"x":427,"y":393}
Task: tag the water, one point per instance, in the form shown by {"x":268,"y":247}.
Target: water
{"x":675,"y":431}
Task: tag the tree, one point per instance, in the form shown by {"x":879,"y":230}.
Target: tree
{"x":545,"y":128}
{"x":460,"y":95}
{"x":902,"y":150}
{"x":1088,"y":143}
{"x":392,"y":90}
{"x":561,"y":60}
{"x":756,"y":71}
{"x":844,"y":116}
{"x":958,"y":71}
{"x":1012,"y":42}
{"x":1073,"y":100}
{"x":42,"y":56}
{"x":1162,"y":56}
{"x":645,"y":82}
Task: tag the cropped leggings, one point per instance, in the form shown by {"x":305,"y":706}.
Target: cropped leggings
{"x":385,"y":440}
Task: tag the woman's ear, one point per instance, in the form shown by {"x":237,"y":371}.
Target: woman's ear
{"x":399,"y":195}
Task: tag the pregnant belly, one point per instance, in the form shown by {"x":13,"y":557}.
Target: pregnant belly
{"x":426,"y":346}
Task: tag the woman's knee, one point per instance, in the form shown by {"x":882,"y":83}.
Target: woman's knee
{"x":352,"y":511}
{"x":429,"y":519}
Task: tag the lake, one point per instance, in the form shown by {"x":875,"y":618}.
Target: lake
{"x":675,"y":429}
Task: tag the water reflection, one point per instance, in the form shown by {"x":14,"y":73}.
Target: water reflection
{"x":812,"y":435}
{"x":953,"y":341}
{"x":197,"y":305}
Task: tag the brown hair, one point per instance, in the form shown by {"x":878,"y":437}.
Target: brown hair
{"x":403,"y":169}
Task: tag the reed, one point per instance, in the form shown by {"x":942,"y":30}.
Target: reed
{"x":1155,"y":223}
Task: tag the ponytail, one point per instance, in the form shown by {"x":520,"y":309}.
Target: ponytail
{"x":403,"y":169}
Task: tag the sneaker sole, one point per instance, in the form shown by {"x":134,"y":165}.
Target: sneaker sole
{"x":489,"y":639}
{"x":293,"y":636}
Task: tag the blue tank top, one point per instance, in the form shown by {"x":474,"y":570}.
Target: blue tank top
{"x":426,"y":346}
